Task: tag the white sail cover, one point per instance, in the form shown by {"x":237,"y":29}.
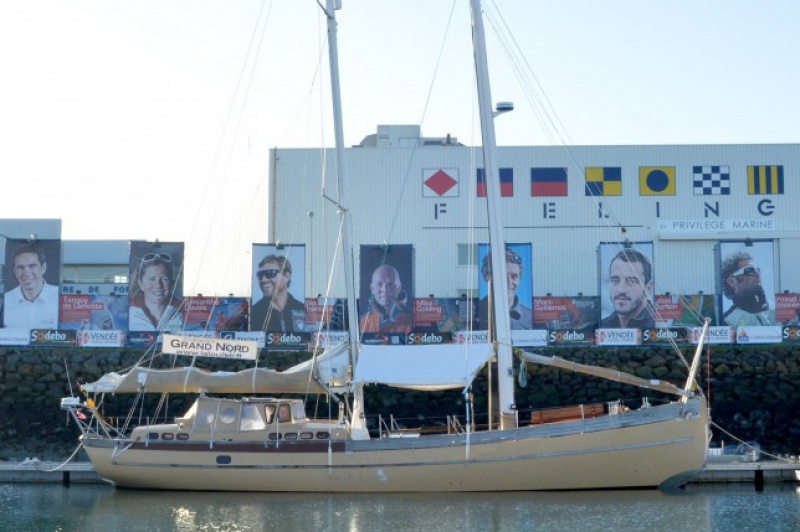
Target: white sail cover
{"x":422,"y":367}
{"x":255,"y":380}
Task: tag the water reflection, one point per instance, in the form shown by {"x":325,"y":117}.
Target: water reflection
{"x":27,"y":507}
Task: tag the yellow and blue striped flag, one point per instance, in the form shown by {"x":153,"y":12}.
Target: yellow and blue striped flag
{"x":765,"y":180}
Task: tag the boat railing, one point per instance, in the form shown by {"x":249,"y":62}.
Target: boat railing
{"x":454,"y":426}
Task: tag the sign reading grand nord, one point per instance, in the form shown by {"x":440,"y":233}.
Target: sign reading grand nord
{"x":32,"y":277}
{"x":210,"y":347}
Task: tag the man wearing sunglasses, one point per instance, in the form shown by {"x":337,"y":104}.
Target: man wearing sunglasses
{"x":278,"y":310}
{"x":741,"y":283}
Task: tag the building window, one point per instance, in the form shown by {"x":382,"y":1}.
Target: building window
{"x":467,"y":254}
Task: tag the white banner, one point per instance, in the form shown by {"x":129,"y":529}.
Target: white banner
{"x":759,"y":335}
{"x":716,"y":335}
{"x":14,"y":336}
{"x":328,"y":338}
{"x":210,"y":347}
{"x":258,"y":337}
{"x":618,"y":337}
{"x":532,"y":338}
{"x":471,"y":337}
{"x":101,"y":338}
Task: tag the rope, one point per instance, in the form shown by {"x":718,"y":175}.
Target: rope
{"x":742,"y":442}
{"x":68,"y":460}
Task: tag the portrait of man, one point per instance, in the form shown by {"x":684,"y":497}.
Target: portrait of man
{"x":630,"y":290}
{"x":520,"y":313}
{"x":388,"y":304}
{"x":747,"y":302}
{"x":278,"y":310}
{"x":33,"y":302}
{"x":388,"y":307}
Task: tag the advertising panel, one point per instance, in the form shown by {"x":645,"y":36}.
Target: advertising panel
{"x":386,"y":276}
{"x":787,"y":309}
{"x":32,"y":276}
{"x":53,"y":338}
{"x":684,"y":310}
{"x":747,"y":281}
{"x":101,"y":338}
{"x":156,"y":287}
{"x":571,"y":337}
{"x":216,"y":313}
{"x":444,"y":315}
{"x":94,"y":312}
{"x":326,"y":314}
{"x":278,"y":289}
{"x":520,"y":286}
{"x":626,"y":286}
{"x":608,"y":337}
{"x":566,"y":313}
{"x":759,"y":334}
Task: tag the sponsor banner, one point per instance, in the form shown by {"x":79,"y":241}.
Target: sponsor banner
{"x":666,"y":335}
{"x":328,"y":314}
{"x":791,"y":334}
{"x":566,"y":313}
{"x":428,"y":312}
{"x":571,"y":337}
{"x":684,"y":310}
{"x":210,"y":347}
{"x":197,"y":334}
{"x":383,"y":339}
{"x":787,"y":308}
{"x":605,"y":337}
{"x":142,"y":339}
{"x":716,"y":335}
{"x":532,"y":338}
{"x":291,"y":340}
{"x":14,"y":336}
{"x":258,"y":337}
{"x":328,"y":338}
{"x":471,"y":337}
{"x":216,"y":313}
{"x":101,"y":338}
{"x":109,"y":289}
{"x":759,"y":335}
{"x":52,"y":337}
{"x":424,"y":338}
{"x":97,"y":312}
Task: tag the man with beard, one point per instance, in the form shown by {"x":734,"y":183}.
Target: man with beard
{"x":741,"y":283}
{"x":631,"y":287}
{"x":387,"y":311}
{"x":278,"y":310}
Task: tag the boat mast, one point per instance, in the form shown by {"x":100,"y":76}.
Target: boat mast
{"x":499,"y":286}
{"x":357,"y":422}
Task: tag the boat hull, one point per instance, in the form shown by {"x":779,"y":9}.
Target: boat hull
{"x":646,"y":448}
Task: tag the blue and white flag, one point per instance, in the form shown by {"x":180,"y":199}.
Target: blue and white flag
{"x":711,"y":180}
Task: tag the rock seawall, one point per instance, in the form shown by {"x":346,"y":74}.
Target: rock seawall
{"x":754,"y":392}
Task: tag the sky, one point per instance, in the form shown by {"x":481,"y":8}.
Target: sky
{"x":153,"y":119}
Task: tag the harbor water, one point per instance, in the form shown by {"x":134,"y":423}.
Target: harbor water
{"x":38,"y":507}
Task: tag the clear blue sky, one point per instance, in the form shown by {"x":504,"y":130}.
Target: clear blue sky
{"x":124,"y":119}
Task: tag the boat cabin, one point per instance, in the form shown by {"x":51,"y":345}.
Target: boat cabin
{"x":247,"y":419}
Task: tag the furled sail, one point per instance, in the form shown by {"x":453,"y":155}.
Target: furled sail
{"x":605,"y":373}
{"x":330,"y":367}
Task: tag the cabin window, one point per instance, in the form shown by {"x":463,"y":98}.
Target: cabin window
{"x":290,"y":436}
{"x":323,"y":435}
{"x":182,"y":436}
{"x":275,"y":436}
{"x":223,"y":459}
{"x":269,"y":410}
{"x":298,"y":410}
{"x":153,"y":435}
{"x":284,"y":413}
{"x":251,"y":419}
{"x":168,"y":436}
{"x":306,"y":435}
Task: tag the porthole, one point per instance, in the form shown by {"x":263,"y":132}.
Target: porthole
{"x":223,"y":459}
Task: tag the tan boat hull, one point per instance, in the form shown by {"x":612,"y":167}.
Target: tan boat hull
{"x":619,"y":451}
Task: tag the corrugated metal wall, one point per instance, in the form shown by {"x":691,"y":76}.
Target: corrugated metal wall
{"x":390,"y":203}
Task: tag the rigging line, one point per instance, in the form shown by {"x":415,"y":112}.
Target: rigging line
{"x":215,"y":208}
{"x":407,"y":173}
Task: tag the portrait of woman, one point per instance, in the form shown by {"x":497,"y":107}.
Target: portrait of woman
{"x":153,"y":305}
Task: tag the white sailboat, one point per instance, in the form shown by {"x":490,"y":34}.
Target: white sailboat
{"x":269,"y":444}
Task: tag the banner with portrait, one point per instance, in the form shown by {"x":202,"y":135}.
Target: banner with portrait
{"x":520,"y":286}
{"x":32,"y":278}
{"x":627,"y":280}
{"x":278,"y":291}
{"x":746,"y":283}
{"x":156,"y":287}
{"x":386,"y":282}
{"x":216,"y":314}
